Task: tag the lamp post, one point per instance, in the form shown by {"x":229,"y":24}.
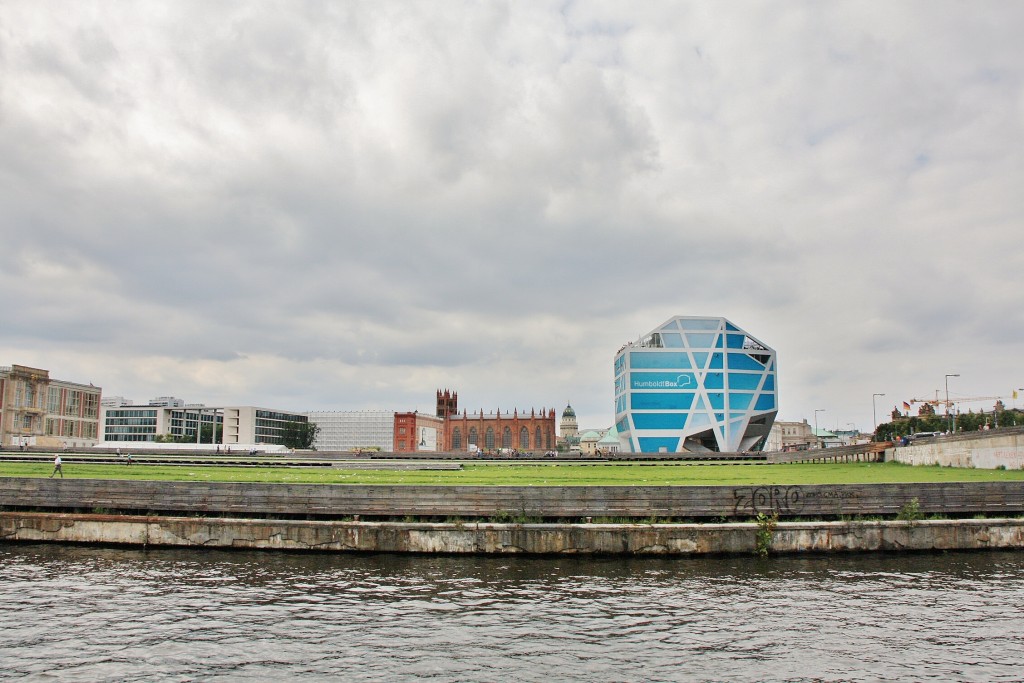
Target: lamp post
{"x":874,"y":413}
{"x":948,"y":421}
{"x":817,"y":444}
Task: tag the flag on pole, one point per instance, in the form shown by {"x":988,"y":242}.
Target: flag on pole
{"x":1014,"y":394}
{"x":906,"y":406}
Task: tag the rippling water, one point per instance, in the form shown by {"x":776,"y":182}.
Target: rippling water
{"x":85,"y":614}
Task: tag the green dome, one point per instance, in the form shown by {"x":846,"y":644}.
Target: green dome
{"x":568,"y":412}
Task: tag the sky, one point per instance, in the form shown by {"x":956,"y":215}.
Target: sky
{"x":347,"y":206}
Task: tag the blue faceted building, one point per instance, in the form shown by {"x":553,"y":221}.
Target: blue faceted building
{"x":694,"y":384}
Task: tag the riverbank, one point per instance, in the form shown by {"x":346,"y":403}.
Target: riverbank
{"x":743,"y":538}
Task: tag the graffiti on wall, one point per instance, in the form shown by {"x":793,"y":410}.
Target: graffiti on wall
{"x":786,"y":500}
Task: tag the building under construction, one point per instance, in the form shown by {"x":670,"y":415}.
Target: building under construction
{"x":37,"y":410}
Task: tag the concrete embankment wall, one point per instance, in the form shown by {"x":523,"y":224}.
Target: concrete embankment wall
{"x":985,"y":452}
{"x":490,"y":538}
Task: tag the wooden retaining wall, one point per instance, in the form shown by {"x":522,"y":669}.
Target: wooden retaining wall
{"x":535,"y":502}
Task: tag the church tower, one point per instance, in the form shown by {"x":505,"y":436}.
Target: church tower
{"x":447,"y":404}
{"x":568,"y":427}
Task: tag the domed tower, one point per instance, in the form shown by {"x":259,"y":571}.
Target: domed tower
{"x":568,"y":427}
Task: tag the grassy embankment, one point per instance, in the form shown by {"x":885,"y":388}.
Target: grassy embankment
{"x":537,"y":475}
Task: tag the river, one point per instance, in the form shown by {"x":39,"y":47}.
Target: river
{"x":73,"y":613}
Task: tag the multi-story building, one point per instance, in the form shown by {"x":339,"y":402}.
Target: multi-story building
{"x":354,"y":430}
{"x":229,"y":426}
{"x":447,"y":430}
{"x":694,"y":384}
{"x":790,"y":436}
{"x":36,"y":410}
{"x":415,"y":432}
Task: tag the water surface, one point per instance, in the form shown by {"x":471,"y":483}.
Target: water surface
{"x":85,"y":614}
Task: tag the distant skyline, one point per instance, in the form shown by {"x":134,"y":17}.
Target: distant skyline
{"x":324,"y":206}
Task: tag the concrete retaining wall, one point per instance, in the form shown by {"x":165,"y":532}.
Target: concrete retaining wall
{"x":1006,"y":450}
{"x":485,"y":538}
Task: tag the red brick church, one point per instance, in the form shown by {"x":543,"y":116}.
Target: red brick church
{"x":492,"y":431}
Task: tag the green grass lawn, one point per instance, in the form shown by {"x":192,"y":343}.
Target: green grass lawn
{"x":537,"y":475}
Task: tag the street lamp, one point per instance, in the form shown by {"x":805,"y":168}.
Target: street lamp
{"x":817,"y":444}
{"x":874,"y":414}
{"x":948,"y":421}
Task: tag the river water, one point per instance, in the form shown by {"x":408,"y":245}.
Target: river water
{"x":89,"y":614}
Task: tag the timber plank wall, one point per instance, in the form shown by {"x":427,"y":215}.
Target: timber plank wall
{"x":538,"y":502}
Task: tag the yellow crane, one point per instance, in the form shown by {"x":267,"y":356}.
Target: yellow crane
{"x":943,"y":402}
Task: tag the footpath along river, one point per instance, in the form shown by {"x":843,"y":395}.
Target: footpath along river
{"x":94,"y":614}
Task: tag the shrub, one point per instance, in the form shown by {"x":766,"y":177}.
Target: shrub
{"x":765,"y":528}
{"x":911,"y":511}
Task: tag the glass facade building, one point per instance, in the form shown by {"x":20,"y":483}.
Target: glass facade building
{"x":695,"y":384}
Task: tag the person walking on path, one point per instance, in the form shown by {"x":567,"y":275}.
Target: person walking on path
{"x":56,"y":467}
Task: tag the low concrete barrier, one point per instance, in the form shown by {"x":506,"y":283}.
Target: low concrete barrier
{"x":982,"y":450}
{"x":488,"y":538}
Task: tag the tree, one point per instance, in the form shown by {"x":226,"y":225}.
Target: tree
{"x":208,"y":435}
{"x":963,"y":422}
{"x":299,"y":435}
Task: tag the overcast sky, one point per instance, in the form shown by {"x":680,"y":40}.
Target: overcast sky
{"x":344,"y":206}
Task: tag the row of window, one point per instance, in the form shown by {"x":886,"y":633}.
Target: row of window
{"x":128,"y":430}
{"x":506,"y":438}
{"x":130,"y":413}
{"x":283,"y":417}
{"x":190,"y":416}
{"x":78,"y":403}
{"x":79,"y":428}
{"x":129,"y":421}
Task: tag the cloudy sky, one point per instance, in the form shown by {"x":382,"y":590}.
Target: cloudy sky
{"x":343,"y":206}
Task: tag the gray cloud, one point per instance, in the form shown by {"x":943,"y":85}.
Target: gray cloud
{"x":320,"y":206}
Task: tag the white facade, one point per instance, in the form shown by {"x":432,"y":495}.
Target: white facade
{"x":167,"y":402}
{"x":351,"y":430}
{"x":790,"y":436}
{"x":237,"y":426}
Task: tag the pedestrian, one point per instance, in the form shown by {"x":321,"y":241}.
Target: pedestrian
{"x":56,"y":467}
{"x":129,"y":461}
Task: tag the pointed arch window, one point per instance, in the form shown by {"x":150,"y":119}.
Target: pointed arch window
{"x":456,"y":438}
{"x":489,"y":439}
{"x":524,"y":438}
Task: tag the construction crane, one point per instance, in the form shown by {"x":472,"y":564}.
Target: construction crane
{"x":941,"y":401}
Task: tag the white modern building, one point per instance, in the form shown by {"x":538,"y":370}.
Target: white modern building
{"x":237,"y":427}
{"x":694,"y":384}
{"x":352,"y":430}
